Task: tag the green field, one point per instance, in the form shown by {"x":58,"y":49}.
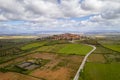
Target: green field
{"x":112,"y":46}
{"x":98,"y":71}
{"x":67,"y":49}
{"x":13,"y":48}
{"x":33,"y":45}
{"x":102,"y":50}
{"x":108,"y":70}
{"x":51,"y":48}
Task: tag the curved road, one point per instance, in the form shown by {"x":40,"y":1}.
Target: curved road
{"x":83,"y":63}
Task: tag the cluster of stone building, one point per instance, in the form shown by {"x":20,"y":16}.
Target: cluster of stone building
{"x":66,"y":36}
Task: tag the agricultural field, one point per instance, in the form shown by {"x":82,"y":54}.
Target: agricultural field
{"x":52,"y":48}
{"x":33,"y":45}
{"x":18,"y":37}
{"x":99,"y":71}
{"x":98,"y":58}
{"x":56,"y":64}
{"x":113,"y":45}
{"x":50,"y":59}
{"x":80,"y":49}
{"x":9,"y":43}
{"x":15,"y":76}
{"x":43,"y":59}
{"x":36,"y":44}
{"x":13,"y":48}
{"x":26,"y":66}
{"x":10,"y":49}
{"x":103,"y":63}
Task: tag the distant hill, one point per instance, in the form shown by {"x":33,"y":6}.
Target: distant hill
{"x":61,"y":32}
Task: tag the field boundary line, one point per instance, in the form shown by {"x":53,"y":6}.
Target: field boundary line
{"x":83,"y":63}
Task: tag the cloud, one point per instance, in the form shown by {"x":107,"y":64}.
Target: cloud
{"x":40,"y":15}
{"x":37,"y":9}
{"x":92,"y":5}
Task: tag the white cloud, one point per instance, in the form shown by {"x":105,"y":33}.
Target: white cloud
{"x":92,"y":5}
{"x":45,"y":14}
{"x":35,"y":9}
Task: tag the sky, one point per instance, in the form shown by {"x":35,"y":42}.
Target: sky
{"x":27,"y":16}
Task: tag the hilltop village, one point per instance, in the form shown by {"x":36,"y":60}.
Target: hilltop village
{"x":66,"y":36}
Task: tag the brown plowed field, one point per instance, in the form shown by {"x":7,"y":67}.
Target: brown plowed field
{"x":60,"y":67}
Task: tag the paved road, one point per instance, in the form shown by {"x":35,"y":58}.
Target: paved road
{"x":83,"y":63}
